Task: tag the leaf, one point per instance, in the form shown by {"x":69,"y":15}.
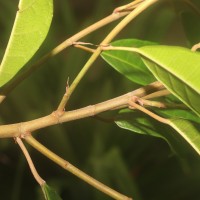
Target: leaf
{"x":129,"y":64}
{"x":178,"y":113}
{"x":188,"y":131}
{"x":189,"y":134}
{"x":178,"y":69}
{"x":140,"y":123}
{"x":30,"y":28}
{"x":49,"y":193}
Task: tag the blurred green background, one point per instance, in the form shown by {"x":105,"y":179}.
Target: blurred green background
{"x":139,"y":166}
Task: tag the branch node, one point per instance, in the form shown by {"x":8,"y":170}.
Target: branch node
{"x":70,"y":42}
{"x":22,"y":132}
{"x":133,"y":104}
{"x":133,"y":99}
{"x":57,"y":114}
{"x":25,"y":134}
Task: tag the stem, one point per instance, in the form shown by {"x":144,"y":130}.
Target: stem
{"x":21,"y":129}
{"x":84,"y":48}
{"x":72,"y":169}
{"x":28,"y":71}
{"x":95,"y":55}
{"x":144,"y":110}
{"x":129,"y":6}
{"x":157,"y":94}
{"x":158,"y":104}
{"x":195,"y":47}
{"x":30,"y":162}
{"x":109,"y":48}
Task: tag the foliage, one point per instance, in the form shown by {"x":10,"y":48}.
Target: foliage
{"x":25,"y":35}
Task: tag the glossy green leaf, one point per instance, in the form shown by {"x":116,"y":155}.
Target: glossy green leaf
{"x":178,"y":69}
{"x":138,"y":122}
{"x":129,"y":64}
{"x":178,"y":113}
{"x":30,"y":28}
{"x":188,"y":131}
{"x":50,"y":193}
{"x":184,"y":136}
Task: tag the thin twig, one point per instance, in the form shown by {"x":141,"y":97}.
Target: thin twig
{"x":30,"y":162}
{"x":158,"y":104}
{"x":144,"y":110}
{"x":84,"y":48}
{"x":157,"y":94}
{"x":129,"y":6}
{"x":72,"y":169}
{"x":195,"y":47}
{"x":95,"y":55}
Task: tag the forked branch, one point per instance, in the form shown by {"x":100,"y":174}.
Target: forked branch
{"x":72,"y":169}
{"x":21,"y":129}
{"x":138,"y":9}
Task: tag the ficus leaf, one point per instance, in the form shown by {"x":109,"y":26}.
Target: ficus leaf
{"x":178,"y":69}
{"x":30,"y":28}
{"x":188,"y":131}
{"x":189,"y":134}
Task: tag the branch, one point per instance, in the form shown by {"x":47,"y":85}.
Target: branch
{"x":21,"y":129}
{"x":134,"y":105}
{"x":158,"y":104}
{"x":129,"y":6}
{"x":69,"y":167}
{"x":141,"y":7}
{"x":30,"y":162}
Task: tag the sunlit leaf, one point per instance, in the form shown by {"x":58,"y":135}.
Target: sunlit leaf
{"x":30,"y":28}
{"x":178,"y":69}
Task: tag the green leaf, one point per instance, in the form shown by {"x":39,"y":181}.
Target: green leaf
{"x":30,"y":28}
{"x":188,"y":131}
{"x":178,"y":113}
{"x":189,"y":134}
{"x":137,"y":122}
{"x":129,"y":64}
{"x":50,"y":193}
{"x":178,"y":69}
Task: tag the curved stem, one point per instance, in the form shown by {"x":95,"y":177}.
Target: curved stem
{"x":148,"y":112}
{"x":72,"y":169}
{"x":30,"y":162}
